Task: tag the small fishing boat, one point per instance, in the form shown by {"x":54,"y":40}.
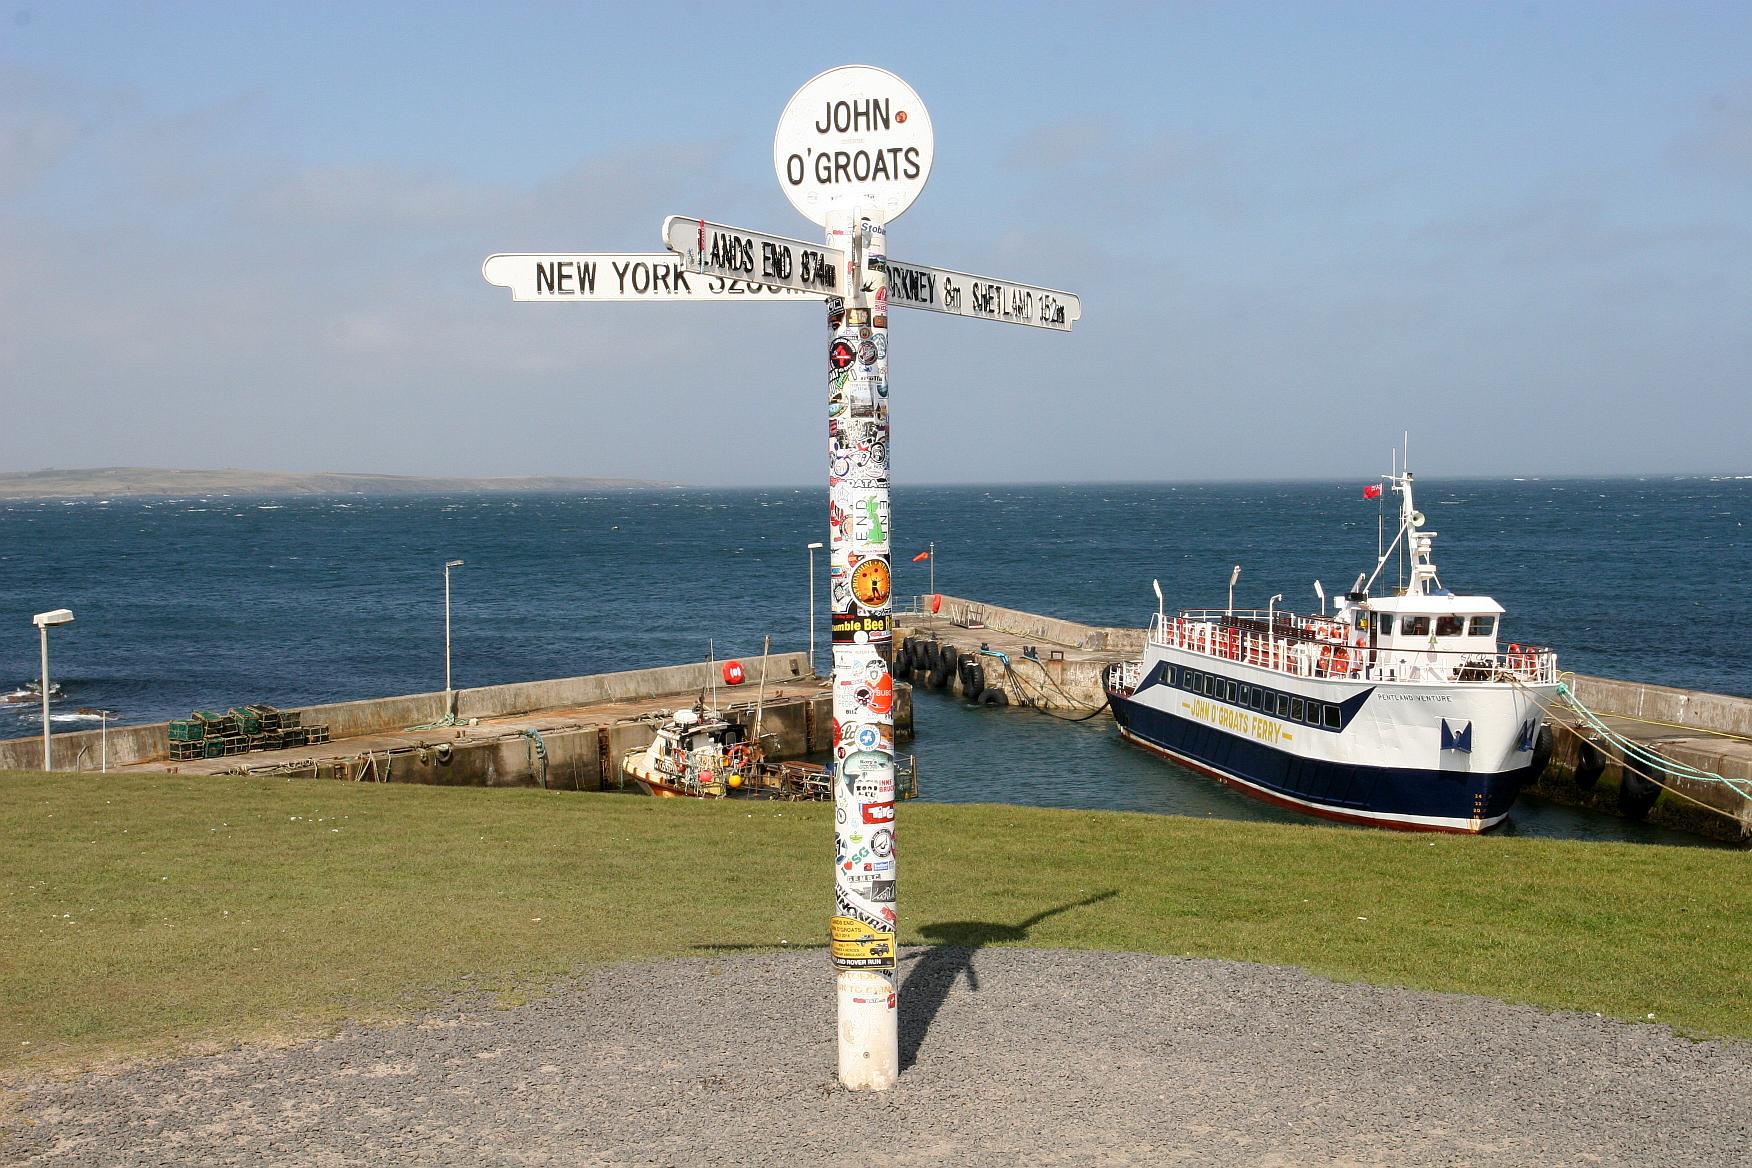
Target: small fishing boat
{"x":1395,"y":711}
{"x":702,"y":754}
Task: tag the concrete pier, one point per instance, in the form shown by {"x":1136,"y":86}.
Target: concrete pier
{"x":567,"y":733}
{"x":1053,"y":664}
{"x":1057,"y":665}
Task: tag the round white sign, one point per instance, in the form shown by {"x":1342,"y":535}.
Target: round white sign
{"x":856,"y":138}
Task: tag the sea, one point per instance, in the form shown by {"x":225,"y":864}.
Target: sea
{"x":210,"y":602}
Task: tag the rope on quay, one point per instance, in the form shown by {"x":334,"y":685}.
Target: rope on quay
{"x":447,"y":720}
{"x":537,"y":749}
{"x":1010,"y":671}
{"x":1634,"y":753}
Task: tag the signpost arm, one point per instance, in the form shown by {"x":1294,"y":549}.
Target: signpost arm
{"x":863,"y":929}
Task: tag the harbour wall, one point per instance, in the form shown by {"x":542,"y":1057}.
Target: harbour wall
{"x":1711,"y":732}
{"x":1063,"y":674}
{"x":580,"y":756}
{"x":146,"y":744}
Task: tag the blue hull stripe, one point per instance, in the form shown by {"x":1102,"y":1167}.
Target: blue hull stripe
{"x":1339,"y":788}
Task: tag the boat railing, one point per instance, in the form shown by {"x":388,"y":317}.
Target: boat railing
{"x":1321,"y":648}
{"x":1125,"y":675}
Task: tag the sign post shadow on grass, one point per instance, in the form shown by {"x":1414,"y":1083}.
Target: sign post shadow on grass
{"x":953,"y":944}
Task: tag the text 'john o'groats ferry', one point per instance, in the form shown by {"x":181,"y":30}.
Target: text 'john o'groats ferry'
{"x":1395,"y":711}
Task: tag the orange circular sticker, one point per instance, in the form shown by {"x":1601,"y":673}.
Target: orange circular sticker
{"x":870,"y":583}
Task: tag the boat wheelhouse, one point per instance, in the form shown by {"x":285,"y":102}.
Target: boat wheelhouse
{"x":1398,"y":711}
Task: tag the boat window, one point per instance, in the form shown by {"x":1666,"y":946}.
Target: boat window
{"x":1450,"y":626}
{"x":1283,"y":705}
{"x":1191,"y":679}
{"x":1295,"y":709}
{"x":1229,"y":691}
{"x":1260,"y":697}
{"x":1329,"y":714}
{"x":1414,"y":626}
{"x":1385,"y":624}
{"x":1484,"y":626}
{"x":1210,"y":686}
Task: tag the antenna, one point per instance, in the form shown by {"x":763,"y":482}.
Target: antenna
{"x":1321,"y":593}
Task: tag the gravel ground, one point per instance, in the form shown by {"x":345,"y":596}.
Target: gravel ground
{"x":1011,"y":1056}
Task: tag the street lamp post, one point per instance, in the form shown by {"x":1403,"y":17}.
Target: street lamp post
{"x":813,"y":548}
{"x":43,"y":620}
{"x":449,"y":694}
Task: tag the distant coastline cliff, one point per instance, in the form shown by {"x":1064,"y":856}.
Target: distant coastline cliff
{"x":113,"y":481}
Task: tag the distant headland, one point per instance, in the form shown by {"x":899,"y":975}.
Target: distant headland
{"x":112,"y":481}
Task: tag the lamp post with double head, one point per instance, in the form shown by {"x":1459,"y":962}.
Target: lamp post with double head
{"x":43,"y":621}
{"x":449,"y":694}
{"x":813,"y":548}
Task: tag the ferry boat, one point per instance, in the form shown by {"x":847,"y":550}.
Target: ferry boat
{"x":1398,"y":710}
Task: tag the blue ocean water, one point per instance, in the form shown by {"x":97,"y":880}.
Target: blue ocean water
{"x":212,"y":602}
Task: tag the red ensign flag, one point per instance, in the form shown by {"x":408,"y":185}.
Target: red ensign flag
{"x":1372,"y":491}
{"x":927,"y":555}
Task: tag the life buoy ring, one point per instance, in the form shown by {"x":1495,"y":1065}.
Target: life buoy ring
{"x":1325,"y":667}
{"x":1341,"y":660}
{"x":738,"y":755}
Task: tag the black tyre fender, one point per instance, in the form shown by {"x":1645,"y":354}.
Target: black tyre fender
{"x":902,"y":662}
{"x":1542,"y":747}
{"x":994,"y":697}
{"x":1589,"y":765}
{"x":936,"y":679}
{"x":1636,"y":794}
{"x":974,"y":681}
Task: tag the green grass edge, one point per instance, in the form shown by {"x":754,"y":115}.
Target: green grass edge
{"x":156,"y":913}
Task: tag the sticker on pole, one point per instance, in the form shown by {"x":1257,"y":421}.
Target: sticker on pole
{"x":857,"y":139}
{"x":855,"y":945}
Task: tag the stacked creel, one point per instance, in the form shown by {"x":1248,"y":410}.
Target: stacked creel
{"x":239,"y":730}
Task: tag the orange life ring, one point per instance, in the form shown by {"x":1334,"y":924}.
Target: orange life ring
{"x":738,"y":755}
{"x":1341,"y":660}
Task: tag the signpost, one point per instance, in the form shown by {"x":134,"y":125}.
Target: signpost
{"x":853,"y":150}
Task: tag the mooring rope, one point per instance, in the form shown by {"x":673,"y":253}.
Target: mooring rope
{"x":1588,"y":718}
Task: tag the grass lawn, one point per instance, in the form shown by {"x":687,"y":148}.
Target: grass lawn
{"x":144,"y":913}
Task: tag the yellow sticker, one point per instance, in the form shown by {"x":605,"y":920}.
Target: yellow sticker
{"x":856,"y":945}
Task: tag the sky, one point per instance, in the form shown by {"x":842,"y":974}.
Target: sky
{"x":250,"y":235}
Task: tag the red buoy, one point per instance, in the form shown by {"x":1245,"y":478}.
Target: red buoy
{"x":937,"y":602}
{"x":732,"y":673}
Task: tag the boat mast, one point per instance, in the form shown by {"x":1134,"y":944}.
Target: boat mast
{"x":1410,"y":537}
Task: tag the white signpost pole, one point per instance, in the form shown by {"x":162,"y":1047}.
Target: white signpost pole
{"x":853,"y":149}
{"x":862,"y":941}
